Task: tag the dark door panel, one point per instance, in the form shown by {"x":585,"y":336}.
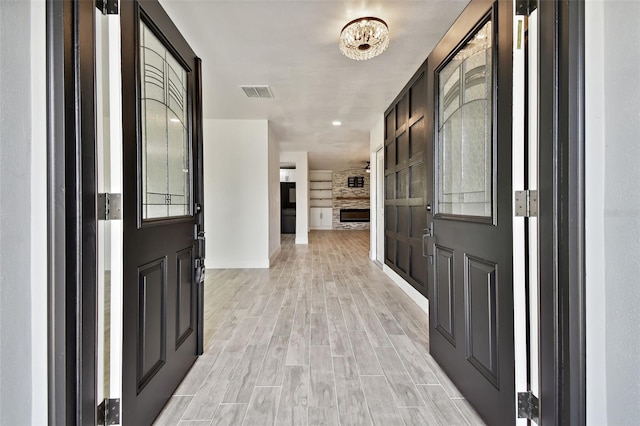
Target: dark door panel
{"x":162,"y":208}
{"x":407,"y":182}
{"x":481,"y":314}
{"x":185,"y":302}
{"x":152,"y":335}
{"x":444,"y":294}
{"x":470,"y":232}
{"x":418,"y":268}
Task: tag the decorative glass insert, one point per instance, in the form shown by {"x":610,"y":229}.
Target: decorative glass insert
{"x":164,"y":116}
{"x":465,"y":129}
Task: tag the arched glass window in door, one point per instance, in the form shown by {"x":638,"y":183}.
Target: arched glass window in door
{"x":165,"y":131}
{"x":465,"y":131}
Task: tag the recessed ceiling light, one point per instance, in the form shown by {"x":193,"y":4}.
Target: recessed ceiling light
{"x":337,"y":123}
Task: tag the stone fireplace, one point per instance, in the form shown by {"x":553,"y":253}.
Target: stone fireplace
{"x":354,"y":201}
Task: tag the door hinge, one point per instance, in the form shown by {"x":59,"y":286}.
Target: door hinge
{"x":107,"y":7}
{"x":109,"y":411}
{"x":525,"y":7}
{"x":109,"y":206}
{"x":528,"y":407}
{"x":526,"y":203}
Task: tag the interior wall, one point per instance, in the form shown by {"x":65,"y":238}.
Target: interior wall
{"x":301,"y":160}
{"x":236,"y":179}
{"x":612,"y":212}
{"x":39,"y":285}
{"x":274,"y":193}
{"x":23,"y":320}
{"x":376,"y":141}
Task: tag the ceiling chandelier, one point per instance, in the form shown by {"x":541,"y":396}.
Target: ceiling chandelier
{"x":364,"y":38}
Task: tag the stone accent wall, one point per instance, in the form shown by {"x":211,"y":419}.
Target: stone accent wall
{"x":340,"y":189}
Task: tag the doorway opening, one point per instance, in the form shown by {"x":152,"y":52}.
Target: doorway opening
{"x":287,"y":199}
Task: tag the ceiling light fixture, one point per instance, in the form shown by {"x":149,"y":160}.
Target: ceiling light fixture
{"x":337,"y":123}
{"x":364,"y":38}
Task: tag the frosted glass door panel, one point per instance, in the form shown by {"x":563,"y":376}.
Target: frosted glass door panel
{"x":465,"y":130}
{"x":166,"y":153}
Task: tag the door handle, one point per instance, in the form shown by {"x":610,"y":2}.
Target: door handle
{"x":426,"y":240}
{"x":197,"y":233}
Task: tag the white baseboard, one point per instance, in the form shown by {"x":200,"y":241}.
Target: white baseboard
{"x":302,"y":240}
{"x":414,"y":294}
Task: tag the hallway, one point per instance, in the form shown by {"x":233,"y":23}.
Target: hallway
{"x":324,"y":337}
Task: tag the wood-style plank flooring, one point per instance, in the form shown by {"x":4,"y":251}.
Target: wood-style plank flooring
{"x":323,"y":337}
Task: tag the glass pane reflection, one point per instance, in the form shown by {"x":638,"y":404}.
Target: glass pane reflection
{"x":166,"y":153}
{"x":465,"y":130}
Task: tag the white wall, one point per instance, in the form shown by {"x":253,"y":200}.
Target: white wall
{"x":23,"y":282}
{"x":274,"y":194}
{"x":39,"y":332}
{"x":612,"y":212}
{"x":301,"y":160}
{"x":236,"y":185}
{"x":376,"y":141}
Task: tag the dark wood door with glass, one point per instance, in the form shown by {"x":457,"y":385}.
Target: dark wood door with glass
{"x":471,"y":294}
{"x":161,"y":209}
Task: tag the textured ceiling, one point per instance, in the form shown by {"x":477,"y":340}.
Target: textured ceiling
{"x":292,"y":46}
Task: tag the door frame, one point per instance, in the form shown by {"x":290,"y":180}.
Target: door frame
{"x":379,"y":191}
{"x":71,"y":212}
{"x":561,"y":198}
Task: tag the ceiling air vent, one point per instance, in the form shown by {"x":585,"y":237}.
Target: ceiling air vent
{"x":257,"y":91}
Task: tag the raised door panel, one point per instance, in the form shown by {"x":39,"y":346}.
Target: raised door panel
{"x":403,"y":149}
{"x":444,"y":294}
{"x":151,"y":347}
{"x":481,"y":314}
{"x":185,"y":296}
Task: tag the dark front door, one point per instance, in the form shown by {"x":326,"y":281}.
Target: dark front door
{"x":471,"y":304}
{"x":161,"y":208}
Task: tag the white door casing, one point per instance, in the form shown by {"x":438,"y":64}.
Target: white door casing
{"x":380,"y":205}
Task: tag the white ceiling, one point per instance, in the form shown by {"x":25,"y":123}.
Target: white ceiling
{"x":292,"y":46}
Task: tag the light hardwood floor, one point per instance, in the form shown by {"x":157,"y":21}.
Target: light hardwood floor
{"x":323,"y":337}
